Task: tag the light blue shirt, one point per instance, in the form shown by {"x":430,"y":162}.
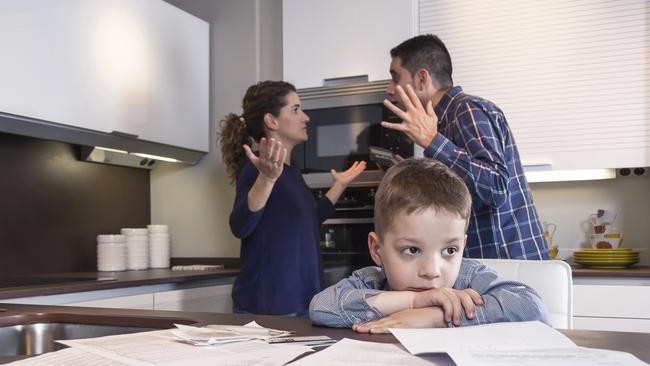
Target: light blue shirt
{"x":344,"y":303}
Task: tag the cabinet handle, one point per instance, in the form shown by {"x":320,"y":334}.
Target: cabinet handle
{"x":124,"y":134}
{"x":346,"y":80}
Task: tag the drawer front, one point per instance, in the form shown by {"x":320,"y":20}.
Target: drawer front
{"x":611,"y":301}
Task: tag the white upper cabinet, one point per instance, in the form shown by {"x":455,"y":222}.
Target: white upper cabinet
{"x":342,"y":38}
{"x":571,"y":76}
{"x":135,"y":66}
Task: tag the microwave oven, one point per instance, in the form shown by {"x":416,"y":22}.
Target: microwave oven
{"x":344,"y":122}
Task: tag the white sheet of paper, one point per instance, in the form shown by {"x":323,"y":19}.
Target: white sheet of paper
{"x":66,"y":357}
{"x":577,"y":356}
{"x":351,"y":352}
{"x":161,"y":348}
{"x":514,"y":336}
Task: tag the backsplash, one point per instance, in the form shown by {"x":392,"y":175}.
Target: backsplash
{"x":54,"y":205}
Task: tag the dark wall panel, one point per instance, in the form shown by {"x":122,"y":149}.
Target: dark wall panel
{"x":52,"y":205}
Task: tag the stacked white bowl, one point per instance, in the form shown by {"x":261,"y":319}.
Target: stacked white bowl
{"x":159,"y":247}
{"x":137,"y":248}
{"x":111,"y":252}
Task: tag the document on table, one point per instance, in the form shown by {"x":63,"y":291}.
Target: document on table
{"x":516,"y":343}
{"x":162,"y":348}
{"x":68,"y":356}
{"x":352,"y":352}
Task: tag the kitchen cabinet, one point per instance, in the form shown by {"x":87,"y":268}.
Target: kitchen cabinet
{"x":611,"y":307}
{"x":208,"y":299}
{"x":339,"y":38}
{"x":140,"y":68}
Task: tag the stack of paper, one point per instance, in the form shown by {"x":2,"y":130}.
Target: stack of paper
{"x":221,"y":334}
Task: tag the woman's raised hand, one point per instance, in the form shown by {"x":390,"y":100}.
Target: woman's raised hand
{"x":271,"y":160}
{"x":344,"y":178}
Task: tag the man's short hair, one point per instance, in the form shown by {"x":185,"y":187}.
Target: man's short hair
{"x":426,"y":52}
{"x":418,"y":184}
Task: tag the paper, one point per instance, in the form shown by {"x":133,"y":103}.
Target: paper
{"x":487,"y":337}
{"x":577,"y":356}
{"x":220,"y":334}
{"x":161,"y":348}
{"x":66,"y":357}
{"x":351,"y":352}
{"x":499,"y":344}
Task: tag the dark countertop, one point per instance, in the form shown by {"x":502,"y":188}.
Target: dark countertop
{"x":159,"y":276}
{"x":635,"y":271}
{"x":13,"y":314}
{"x":121,"y":280}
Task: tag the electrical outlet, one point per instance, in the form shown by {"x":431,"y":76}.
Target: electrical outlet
{"x":639,"y":172}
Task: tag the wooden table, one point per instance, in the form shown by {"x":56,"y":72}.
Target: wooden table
{"x":637,"y":344}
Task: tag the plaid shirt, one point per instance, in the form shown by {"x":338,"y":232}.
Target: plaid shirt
{"x":344,"y":303}
{"x":475,"y":141}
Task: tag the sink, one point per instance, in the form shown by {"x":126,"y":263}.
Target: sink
{"x":37,"y":333}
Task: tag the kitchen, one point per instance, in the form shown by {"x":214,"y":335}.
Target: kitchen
{"x":195,"y":200}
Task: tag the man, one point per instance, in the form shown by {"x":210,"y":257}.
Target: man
{"x":471,"y":136}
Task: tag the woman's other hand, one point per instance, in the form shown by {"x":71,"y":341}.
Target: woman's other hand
{"x":346,"y":177}
{"x":271,"y":160}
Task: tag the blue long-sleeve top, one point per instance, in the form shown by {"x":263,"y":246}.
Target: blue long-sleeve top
{"x":280,"y":253}
{"x":344,"y":304}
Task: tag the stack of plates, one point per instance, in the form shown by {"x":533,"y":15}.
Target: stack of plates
{"x":159,"y":247}
{"x":606,"y":258}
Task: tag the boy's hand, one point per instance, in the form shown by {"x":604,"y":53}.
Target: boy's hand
{"x":431,"y":317}
{"x":452,"y":302}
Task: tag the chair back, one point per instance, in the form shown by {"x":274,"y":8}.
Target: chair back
{"x":550,"y":278}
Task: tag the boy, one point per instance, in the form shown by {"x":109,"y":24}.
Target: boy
{"x":422,"y":280}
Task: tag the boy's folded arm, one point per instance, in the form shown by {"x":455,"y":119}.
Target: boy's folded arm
{"x":504,"y":301}
{"x":344,"y":303}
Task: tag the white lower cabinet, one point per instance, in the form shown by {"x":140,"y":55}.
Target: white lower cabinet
{"x":142,"y":301}
{"x":613,"y":308}
{"x":207,"y":299}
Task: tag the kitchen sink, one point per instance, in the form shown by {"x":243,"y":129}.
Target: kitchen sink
{"x":37,"y":333}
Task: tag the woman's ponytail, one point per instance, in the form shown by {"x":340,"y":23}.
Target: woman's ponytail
{"x":232,"y":137}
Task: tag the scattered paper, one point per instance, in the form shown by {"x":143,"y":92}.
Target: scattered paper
{"x":499,"y":344}
{"x":162,"y":348}
{"x":352,"y":352}
{"x":488,"y":337}
{"x":220,"y":334}
{"x":66,"y":357}
{"x":577,"y":356}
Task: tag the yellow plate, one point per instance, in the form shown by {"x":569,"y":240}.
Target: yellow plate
{"x":590,"y":262}
{"x":616,"y":250}
{"x":605,"y":255}
{"x":607,"y":266}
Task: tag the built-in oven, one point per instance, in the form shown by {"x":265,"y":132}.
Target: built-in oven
{"x":344,"y":122}
{"x":344,"y":236}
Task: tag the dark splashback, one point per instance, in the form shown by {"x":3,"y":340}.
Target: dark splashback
{"x":52,"y":205}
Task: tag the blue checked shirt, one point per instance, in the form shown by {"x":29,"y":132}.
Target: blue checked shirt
{"x":344,"y":303}
{"x":475,"y":141}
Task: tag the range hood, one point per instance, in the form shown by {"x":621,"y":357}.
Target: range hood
{"x":114,"y":148}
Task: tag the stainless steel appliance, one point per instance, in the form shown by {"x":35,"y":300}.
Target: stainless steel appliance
{"x":344,"y":236}
{"x":344,"y":122}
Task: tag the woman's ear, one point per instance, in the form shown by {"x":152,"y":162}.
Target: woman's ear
{"x":270,"y":122}
{"x":374,"y":248}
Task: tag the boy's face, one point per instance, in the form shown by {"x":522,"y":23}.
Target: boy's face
{"x":420,"y":251}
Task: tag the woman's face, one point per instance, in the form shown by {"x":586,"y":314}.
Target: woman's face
{"x":292,"y":121}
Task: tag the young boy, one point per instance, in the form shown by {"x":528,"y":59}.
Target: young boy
{"x":422,"y":280}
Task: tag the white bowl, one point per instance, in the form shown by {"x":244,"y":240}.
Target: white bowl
{"x":110,"y":238}
{"x":158,"y":228}
{"x":134,"y":231}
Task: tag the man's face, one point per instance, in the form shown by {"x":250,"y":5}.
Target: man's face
{"x":398,"y":76}
{"x":422,"y":250}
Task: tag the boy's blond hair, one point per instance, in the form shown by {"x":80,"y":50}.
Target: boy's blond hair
{"x":418,"y":184}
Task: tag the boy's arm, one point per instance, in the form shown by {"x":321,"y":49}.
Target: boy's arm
{"x":430,"y":317}
{"x":504,"y":301}
{"x":344,"y":304}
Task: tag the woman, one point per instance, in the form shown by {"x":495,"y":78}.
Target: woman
{"x":275,"y":214}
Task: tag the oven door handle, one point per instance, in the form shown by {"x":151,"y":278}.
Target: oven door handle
{"x":364,"y":220}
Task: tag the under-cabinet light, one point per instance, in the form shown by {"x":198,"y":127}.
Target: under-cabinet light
{"x":569,"y":175}
{"x":156,"y":157}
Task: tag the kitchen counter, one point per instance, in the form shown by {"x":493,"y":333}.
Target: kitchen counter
{"x":636,"y":271}
{"x":11,"y":314}
{"x":118,"y":280}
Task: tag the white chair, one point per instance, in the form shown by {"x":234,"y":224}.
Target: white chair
{"x":550,"y":278}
